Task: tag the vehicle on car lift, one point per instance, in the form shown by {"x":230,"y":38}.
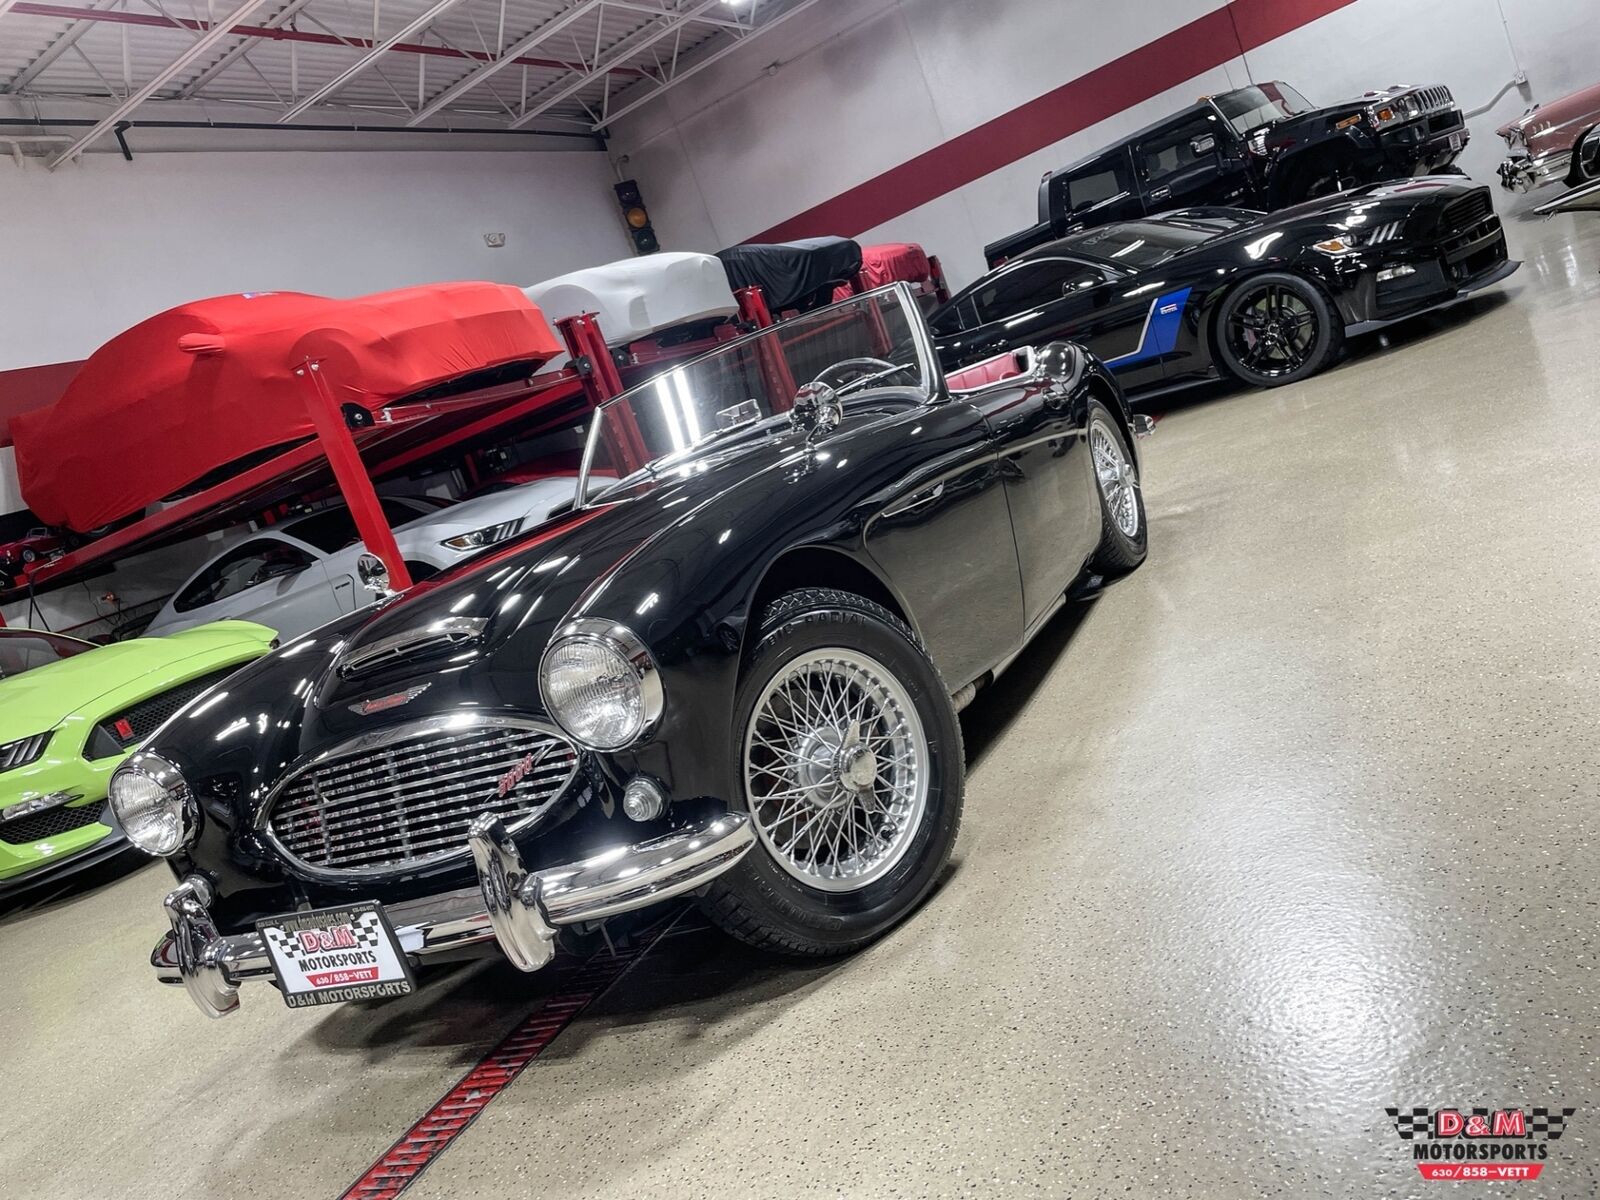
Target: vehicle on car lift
{"x":307,"y":570}
{"x":70,"y":712}
{"x":1558,"y":140}
{"x":1208,"y":292}
{"x":732,"y":668}
{"x":1264,"y":147}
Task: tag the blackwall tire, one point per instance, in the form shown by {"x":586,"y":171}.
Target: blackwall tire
{"x":1124,"y":532}
{"x":902,"y":810}
{"x":1256,"y":300}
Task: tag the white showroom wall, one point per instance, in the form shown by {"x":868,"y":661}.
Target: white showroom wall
{"x":97,"y":246}
{"x":829,"y":101}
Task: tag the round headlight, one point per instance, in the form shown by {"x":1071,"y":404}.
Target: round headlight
{"x":153,"y":804}
{"x":600,"y":684}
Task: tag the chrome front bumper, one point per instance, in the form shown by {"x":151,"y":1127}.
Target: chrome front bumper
{"x":522,"y":910}
{"x":1522,"y":174}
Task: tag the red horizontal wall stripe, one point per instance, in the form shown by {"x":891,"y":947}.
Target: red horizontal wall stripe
{"x":1153,"y":68}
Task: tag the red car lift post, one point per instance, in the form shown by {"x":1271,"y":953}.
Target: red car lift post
{"x":602,"y":381}
{"x":351,"y":474}
{"x":774,"y":367}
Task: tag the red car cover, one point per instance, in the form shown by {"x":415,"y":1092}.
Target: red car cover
{"x":888,"y":263}
{"x":208,"y":383}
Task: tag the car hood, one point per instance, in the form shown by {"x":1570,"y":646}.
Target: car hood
{"x":43,"y":698}
{"x":296,"y":703}
{"x":1394,"y":199}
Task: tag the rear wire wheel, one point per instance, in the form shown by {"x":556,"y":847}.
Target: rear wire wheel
{"x":1277,"y":328}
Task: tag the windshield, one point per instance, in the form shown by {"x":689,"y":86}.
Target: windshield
{"x":747,"y":387}
{"x":23,"y":651}
{"x":1252,"y":107}
{"x":1141,"y":244}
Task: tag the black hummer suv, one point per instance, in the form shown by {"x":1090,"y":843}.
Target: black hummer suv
{"x":1260,"y":147}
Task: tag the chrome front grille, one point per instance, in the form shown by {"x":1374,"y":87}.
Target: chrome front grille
{"x":1431,"y":98}
{"x":396,"y":799}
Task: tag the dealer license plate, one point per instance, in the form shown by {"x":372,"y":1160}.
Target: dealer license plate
{"x":336,"y":954}
{"x":1455,"y":141}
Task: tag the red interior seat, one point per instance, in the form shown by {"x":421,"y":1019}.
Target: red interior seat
{"x":991,"y":370}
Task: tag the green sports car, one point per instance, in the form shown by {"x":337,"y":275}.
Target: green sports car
{"x":71,"y":711}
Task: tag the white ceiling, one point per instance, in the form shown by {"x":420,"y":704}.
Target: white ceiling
{"x":527,"y":65}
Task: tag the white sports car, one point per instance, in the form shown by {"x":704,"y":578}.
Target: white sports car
{"x":297,"y":575}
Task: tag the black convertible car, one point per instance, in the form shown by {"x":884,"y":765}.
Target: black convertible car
{"x":733,"y":668}
{"x":1193,"y":294}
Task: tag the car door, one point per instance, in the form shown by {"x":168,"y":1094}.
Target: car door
{"x":1040,"y":438}
{"x":1096,"y":192}
{"x":1192,"y":161}
{"x":1062,"y":298}
{"x":941,"y":532}
{"x":275,"y":580}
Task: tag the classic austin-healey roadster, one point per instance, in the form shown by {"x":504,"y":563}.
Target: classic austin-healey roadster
{"x":732,"y":668}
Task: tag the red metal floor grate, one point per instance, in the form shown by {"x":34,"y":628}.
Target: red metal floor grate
{"x":420,"y":1145}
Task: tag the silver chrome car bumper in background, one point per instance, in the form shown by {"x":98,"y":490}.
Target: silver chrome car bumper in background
{"x":1522,"y":174}
{"x":520,"y":909}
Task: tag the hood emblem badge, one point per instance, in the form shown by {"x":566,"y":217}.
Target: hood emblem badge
{"x":378,"y":704}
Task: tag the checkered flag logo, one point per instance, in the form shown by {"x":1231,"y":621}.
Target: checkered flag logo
{"x":1549,"y":1123}
{"x":1410,"y":1123}
{"x":364,"y":928}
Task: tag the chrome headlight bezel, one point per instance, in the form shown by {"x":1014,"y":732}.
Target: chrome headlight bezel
{"x":177,"y":803}
{"x":631,"y":656}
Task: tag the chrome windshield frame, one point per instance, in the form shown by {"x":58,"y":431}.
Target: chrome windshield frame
{"x":933,"y":387}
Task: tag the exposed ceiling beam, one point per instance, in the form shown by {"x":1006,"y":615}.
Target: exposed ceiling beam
{"x":64,"y":12}
{"x":67,"y":40}
{"x":655,"y":10}
{"x":701,"y":62}
{"x":201,"y":47}
{"x":472,"y":80}
{"x":630,"y":45}
{"x":239,"y":50}
{"x":414,"y":26}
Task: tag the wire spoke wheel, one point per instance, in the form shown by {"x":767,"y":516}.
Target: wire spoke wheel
{"x":1272,"y":331}
{"x":836,"y":768}
{"x":1118,"y":478}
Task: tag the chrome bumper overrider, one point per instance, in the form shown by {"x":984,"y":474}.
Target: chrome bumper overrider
{"x":1524,"y":174}
{"x":520,"y":909}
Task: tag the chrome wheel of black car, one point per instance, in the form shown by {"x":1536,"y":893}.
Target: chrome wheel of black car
{"x":850,"y":753}
{"x":1586,"y":157}
{"x":836,"y":769}
{"x":1276,"y":329}
{"x":1117,"y":476}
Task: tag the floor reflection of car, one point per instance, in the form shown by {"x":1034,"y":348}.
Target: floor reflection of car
{"x":733,"y":669}
{"x":301,"y":573}
{"x":70,"y":712}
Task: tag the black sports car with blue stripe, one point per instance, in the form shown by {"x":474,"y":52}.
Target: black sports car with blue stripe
{"x":1203,"y":293}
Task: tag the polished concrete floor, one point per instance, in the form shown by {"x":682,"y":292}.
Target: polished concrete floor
{"x":1297,"y":823}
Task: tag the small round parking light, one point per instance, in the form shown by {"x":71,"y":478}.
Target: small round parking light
{"x":643,"y":799}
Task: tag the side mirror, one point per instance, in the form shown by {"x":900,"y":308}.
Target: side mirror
{"x":374,"y":576}
{"x":816,"y":410}
{"x":1204,"y":144}
{"x":1060,"y":366}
